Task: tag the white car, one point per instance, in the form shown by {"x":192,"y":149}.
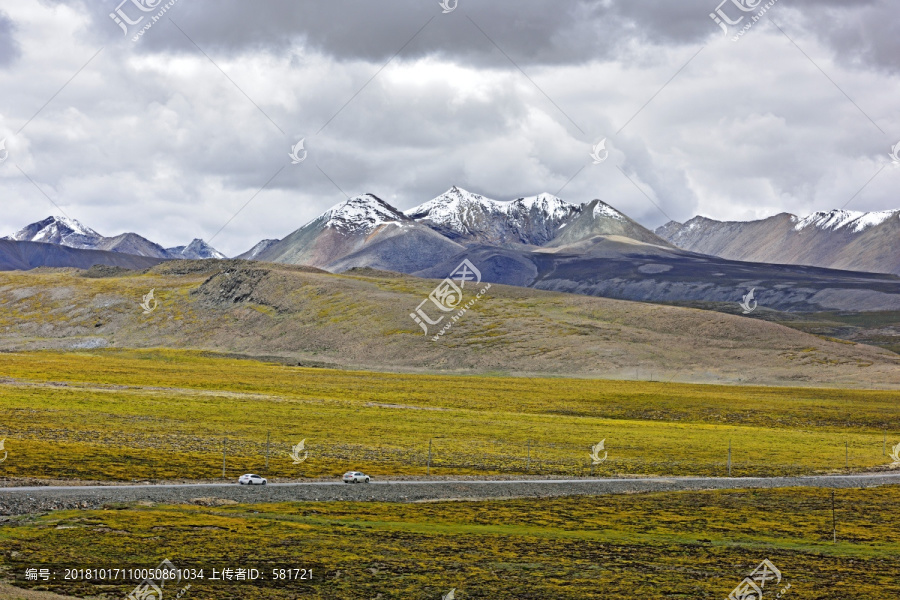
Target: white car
{"x":355,"y":477}
{"x":250,"y":479}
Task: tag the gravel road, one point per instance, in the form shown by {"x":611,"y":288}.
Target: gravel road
{"x":24,"y":500}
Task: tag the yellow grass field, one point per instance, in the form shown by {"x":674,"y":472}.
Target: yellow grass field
{"x":126,"y":415}
{"x":697,"y":545}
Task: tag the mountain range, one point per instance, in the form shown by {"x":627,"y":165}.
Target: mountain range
{"x":593,"y":249}
{"x":545,"y":243}
{"x":63,"y":231}
{"x":839,"y":239}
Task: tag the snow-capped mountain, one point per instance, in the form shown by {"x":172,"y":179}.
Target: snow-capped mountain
{"x":463,"y":216}
{"x":196,"y":250}
{"x":542,"y":220}
{"x":362,"y":214}
{"x":364,"y":231}
{"x":67,"y":232}
{"x":839,"y":239}
{"x":58,"y":230}
{"x":367,"y":232}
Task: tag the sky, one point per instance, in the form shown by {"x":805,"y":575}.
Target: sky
{"x":183,"y":127}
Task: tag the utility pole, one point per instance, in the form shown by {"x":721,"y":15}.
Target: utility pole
{"x":884,"y":445}
{"x":729,"y":458}
{"x":846,"y":455}
{"x":833,"y":521}
{"x":267,"y":453}
{"x":428,"y":472}
{"x":224,"y":444}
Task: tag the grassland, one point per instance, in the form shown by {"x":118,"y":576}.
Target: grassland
{"x":696,"y":545}
{"x":124,"y":415}
{"x":361,"y":320}
{"x":873,"y":328}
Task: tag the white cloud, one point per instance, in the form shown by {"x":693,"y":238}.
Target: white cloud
{"x":151,"y":137}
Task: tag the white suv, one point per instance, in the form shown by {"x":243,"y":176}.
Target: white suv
{"x":250,"y":479}
{"x":355,"y":477}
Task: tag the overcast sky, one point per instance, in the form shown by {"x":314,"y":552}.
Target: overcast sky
{"x":170,"y":135}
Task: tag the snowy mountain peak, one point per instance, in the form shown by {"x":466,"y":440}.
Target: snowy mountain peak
{"x":553,"y":208}
{"x":58,"y":230}
{"x":460,"y":214}
{"x":602,"y":210}
{"x":854,"y":221}
{"x":453,"y":207}
{"x":362,"y":214}
{"x":196,"y":250}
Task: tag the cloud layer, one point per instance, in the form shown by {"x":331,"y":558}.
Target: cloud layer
{"x":174,"y":134}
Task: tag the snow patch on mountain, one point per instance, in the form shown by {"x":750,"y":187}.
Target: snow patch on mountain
{"x":603,"y":210}
{"x":838,"y":219}
{"x":551,"y":207}
{"x":362,"y":214}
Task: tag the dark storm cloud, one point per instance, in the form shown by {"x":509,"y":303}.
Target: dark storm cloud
{"x":530,"y":31}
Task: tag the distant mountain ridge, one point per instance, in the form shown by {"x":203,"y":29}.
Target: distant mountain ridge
{"x":543,"y":242}
{"x":536,"y":221}
{"x":366,"y":231}
{"x":63,"y":231}
{"x":838,"y":239}
{"x":590,"y":249}
{"x":23,"y":256}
